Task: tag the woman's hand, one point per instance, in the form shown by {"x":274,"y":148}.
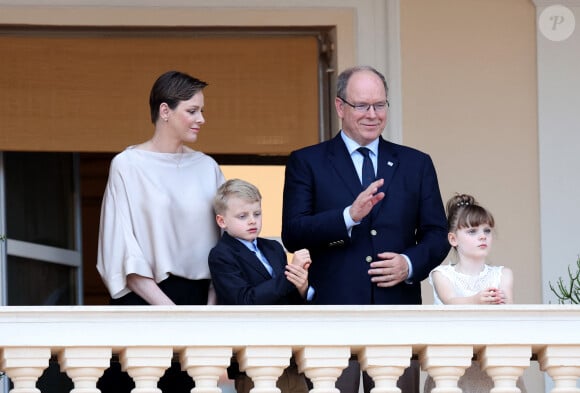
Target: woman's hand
{"x":148,"y":289}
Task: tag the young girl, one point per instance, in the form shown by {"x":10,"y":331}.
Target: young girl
{"x":469,"y":279}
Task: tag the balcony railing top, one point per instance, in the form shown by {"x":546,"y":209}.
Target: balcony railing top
{"x":295,"y":326}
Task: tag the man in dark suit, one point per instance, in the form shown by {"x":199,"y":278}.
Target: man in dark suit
{"x":373,"y":220}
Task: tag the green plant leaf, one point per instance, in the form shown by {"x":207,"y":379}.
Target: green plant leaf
{"x":568,"y":292}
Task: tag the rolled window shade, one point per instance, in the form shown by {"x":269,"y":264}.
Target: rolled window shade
{"x":88,"y":93}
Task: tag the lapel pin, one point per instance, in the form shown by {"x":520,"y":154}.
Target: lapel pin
{"x":390,"y":163}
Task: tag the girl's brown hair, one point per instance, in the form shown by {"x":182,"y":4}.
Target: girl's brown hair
{"x":463,"y":211}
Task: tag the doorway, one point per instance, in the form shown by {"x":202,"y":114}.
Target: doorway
{"x":42,"y":259}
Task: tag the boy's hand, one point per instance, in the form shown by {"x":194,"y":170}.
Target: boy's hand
{"x":302,"y":258}
{"x":298,"y":276}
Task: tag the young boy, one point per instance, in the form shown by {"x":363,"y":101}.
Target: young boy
{"x":247,"y":269}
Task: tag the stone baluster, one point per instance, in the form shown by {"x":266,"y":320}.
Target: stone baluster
{"x":205,"y":365}
{"x":24,"y":366}
{"x":323,"y":366}
{"x":446,"y":364}
{"x":505,"y":364}
{"x":264,"y":365}
{"x":562,"y":363}
{"x":146,"y":365}
{"x":85,"y":366}
{"x":385,"y":364}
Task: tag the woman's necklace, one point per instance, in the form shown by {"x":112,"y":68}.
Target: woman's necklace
{"x":178,"y":156}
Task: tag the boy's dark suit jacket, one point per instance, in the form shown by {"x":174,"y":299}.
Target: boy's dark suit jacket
{"x":321,"y":181}
{"x":239,"y":277}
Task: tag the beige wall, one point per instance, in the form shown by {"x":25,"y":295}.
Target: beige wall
{"x":469,"y":100}
{"x":270,"y":180}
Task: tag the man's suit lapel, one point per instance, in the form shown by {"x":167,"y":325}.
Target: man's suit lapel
{"x":342,"y":162}
{"x":387,"y":165}
{"x":248,"y":257}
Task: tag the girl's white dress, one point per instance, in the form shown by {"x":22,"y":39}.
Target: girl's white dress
{"x":474,"y":380}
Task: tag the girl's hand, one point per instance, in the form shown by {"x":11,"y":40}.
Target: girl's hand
{"x":491,"y":296}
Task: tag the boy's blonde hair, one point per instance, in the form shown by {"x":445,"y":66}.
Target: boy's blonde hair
{"x":237,"y":188}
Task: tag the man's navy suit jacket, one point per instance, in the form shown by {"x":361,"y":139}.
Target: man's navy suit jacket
{"x":239,"y":278}
{"x":320,"y":181}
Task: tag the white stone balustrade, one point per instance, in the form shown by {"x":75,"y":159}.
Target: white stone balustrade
{"x":84,"y":365}
{"x":146,"y":365}
{"x":264,"y":365}
{"x":24,"y":365}
{"x":446,"y":363}
{"x":505,"y":364}
{"x":205,"y":365}
{"x":385,"y":364}
{"x":83,"y":340}
{"x":323,"y":366}
{"x":562,"y":363}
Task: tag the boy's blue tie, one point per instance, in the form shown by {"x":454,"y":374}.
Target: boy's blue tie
{"x":263,"y":259}
{"x":368,"y":170}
